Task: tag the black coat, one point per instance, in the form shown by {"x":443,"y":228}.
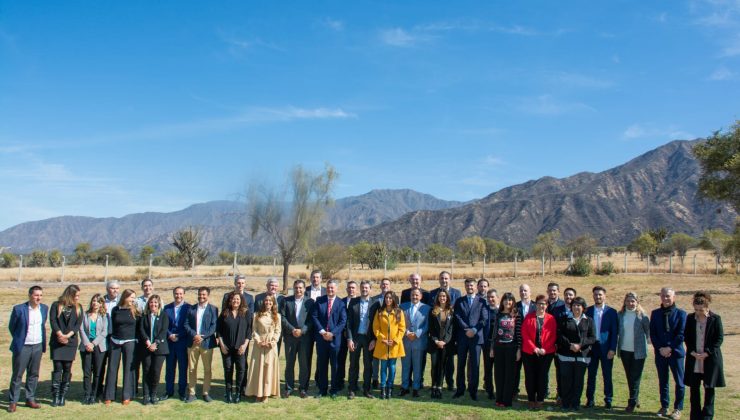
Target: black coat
{"x":243,"y":331}
{"x":569,"y":333}
{"x":66,"y":321}
{"x":714,"y":376}
{"x":161,"y":324}
{"x":438,"y":333}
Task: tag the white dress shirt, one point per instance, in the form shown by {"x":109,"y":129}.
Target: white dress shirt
{"x":35,"y":322}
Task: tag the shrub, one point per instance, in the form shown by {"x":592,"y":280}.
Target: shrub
{"x":8,"y":260}
{"x":581,"y":267}
{"x":606,"y":269}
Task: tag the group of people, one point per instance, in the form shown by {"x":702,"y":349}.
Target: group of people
{"x":140,"y":334}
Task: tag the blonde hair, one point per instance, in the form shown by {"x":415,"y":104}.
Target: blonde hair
{"x":632,"y":295}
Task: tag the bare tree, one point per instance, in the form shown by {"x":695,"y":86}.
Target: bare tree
{"x":292,"y":217}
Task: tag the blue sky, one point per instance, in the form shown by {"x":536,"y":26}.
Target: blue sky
{"x":109,"y":108}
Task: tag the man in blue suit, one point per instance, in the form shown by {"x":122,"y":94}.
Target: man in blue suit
{"x":329,"y":316}
{"x":414,"y":341}
{"x":27,"y":327}
{"x":471,"y":316}
{"x":444,"y":284}
{"x":200,"y":326}
{"x":606,"y":324}
{"x":177,"y":312}
{"x":667,"y":325}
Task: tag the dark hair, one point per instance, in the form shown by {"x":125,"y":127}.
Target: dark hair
{"x":364,"y":282}
{"x":315,"y":272}
{"x":146,"y":280}
{"x":445,"y":272}
{"x":571,"y":289}
{"x":551,"y":284}
{"x":394,"y":304}
{"x":299,"y":281}
{"x":438,"y":306}
{"x":240,"y":311}
{"x":33,"y":289}
{"x":492,"y":291}
{"x":470,"y":280}
{"x":178,"y":287}
{"x":507,"y":296}
{"x":702,"y":298}
{"x":481,"y":280}
{"x":598,"y":289}
{"x":97,"y":297}
{"x":579,"y":301}
{"x":539,"y":298}
{"x":351,"y":282}
{"x":204,"y":288}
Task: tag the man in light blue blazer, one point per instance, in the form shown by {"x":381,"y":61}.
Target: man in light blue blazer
{"x":414,"y":341}
{"x":27,"y":327}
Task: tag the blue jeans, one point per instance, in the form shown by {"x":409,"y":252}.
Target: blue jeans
{"x":598,"y":355}
{"x":676,"y":366}
{"x":412,"y":362}
{"x":387,"y":372}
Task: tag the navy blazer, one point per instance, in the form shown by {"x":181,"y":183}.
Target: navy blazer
{"x":492,"y":312}
{"x":335,"y":323}
{"x":608,"y":334}
{"x":561,"y":311}
{"x":467,"y":316}
{"x":674,"y":336}
{"x":208,"y":329}
{"x":520,"y":308}
{"x":18,"y":326}
{"x":555,"y":307}
{"x":179,"y":326}
{"x":426,"y":297}
{"x":454,"y":295}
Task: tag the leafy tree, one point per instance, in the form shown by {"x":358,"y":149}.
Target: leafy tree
{"x":547,"y":245}
{"x":680,"y":244}
{"x":8,"y":260}
{"x":226,"y":257}
{"x":117,"y":255}
{"x":55,"y":258}
{"x":172,"y":258}
{"x":405,"y":254}
{"x":187,"y":244}
{"x":659,"y":234}
{"x":361,"y":253}
{"x":717,"y":241}
{"x":472,"y":246}
{"x":644,"y":245}
{"x":330,"y":259}
{"x":732,"y":248}
{"x":82,"y":253}
{"x":38,"y":258}
{"x":146,"y":252}
{"x":719,"y":157}
{"x":293,"y":228}
{"x":438,"y":253}
{"x":582,"y":246}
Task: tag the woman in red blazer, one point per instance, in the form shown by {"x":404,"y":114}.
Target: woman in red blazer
{"x":539,"y":331}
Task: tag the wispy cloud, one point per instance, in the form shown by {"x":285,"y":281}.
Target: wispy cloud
{"x":237,"y":46}
{"x":550,"y":106}
{"x":644,"y":131}
{"x":722,"y":20}
{"x":492,"y":160}
{"x":722,"y":73}
{"x":333,"y":24}
{"x":398,"y":37}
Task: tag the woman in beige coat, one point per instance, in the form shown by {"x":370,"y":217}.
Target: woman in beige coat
{"x":264,"y":368}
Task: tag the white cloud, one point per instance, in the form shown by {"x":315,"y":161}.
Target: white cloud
{"x":333,"y":24}
{"x":722,"y":73}
{"x":398,"y":37}
{"x":549,"y":105}
{"x":640,"y":131}
{"x":492,"y":160}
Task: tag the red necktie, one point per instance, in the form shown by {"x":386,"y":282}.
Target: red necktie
{"x":328,"y":314}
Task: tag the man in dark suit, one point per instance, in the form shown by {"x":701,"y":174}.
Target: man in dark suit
{"x":523,"y":307}
{"x":329,"y":318}
{"x":555,"y":307}
{"x":444,"y":284}
{"x":667,"y":327}
{"x":360,"y":340}
{"x":240,"y":283}
{"x":415,"y":283}
{"x":272,"y":287}
{"x":200,"y":326}
{"x":606,"y":323}
{"x":482,"y":287}
{"x":385,"y":286}
{"x":27,"y":327}
{"x":492,"y":308}
{"x":315,"y":289}
{"x":298,"y":342}
{"x":343,"y":349}
{"x":177,"y":311}
{"x":471,"y":317}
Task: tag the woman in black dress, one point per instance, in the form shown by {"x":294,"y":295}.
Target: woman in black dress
{"x":704,"y":366}
{"x":153,"y":346}
{"x":234,"y":329}
{"x":440,"y":335}
{"x":123,"y":320}
{"x":65,"y":317}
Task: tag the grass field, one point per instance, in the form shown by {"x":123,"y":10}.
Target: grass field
{"x":725,"y":289}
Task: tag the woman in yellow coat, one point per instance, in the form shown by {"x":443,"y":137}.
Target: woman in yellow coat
{"x":264,"y":368}
{"x":389,"y":325}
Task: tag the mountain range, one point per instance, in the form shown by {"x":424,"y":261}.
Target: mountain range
{"x":656,"y":189}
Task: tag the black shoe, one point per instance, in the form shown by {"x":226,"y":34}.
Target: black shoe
{"x":450,"y":388}
{"x":304,"y":394}
{"x":376,"y":384}
{"x":146,"y":400}
{"x":154,"y":400}
{"x":190,"y":398}
{"x":207,"y":398}
{"x":415,"y":393}
{"x":227,"y":397}
{"x":333,"y":395}
{"x":589,"y":404}
{"x":608,"y":405}
{"x":165,"y":397}
{"x":404,"y":392}
{"x":474,"y":397}
{"x":458,"y":394}
{"x":351,"y":395}
{"x":367,"y":394}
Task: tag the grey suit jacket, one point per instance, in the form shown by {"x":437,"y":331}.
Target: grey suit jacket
{"x":101,"y":332}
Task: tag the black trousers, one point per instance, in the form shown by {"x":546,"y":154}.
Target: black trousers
{"x":342,"y":362}
{"x":120,"y":354}
{"x":488,"y":370}
{"x":61,"y":376}
{"x":151,"y":369}
{"x":536,"y":375}
{"x":697,"y":411}
{"x":92,"y":370}
{"x":302,"y":350}
{"x":571,"y":383}
{"x":633,"y":370}
{"x":27,"y":361}
{"x":100,"y":391}
{"x":505,"y":367}
{"x":449,"y":362}
{"x":439,"y":366}
{"x":361,"y":347}
{"x":234,"y":362}
{"x":557,"y":375}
